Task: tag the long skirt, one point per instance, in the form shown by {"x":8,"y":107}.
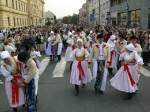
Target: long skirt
{"x":113,"y":60}
{"x":100,"y":74}
{"x":68,"y":53}
{"x":59,"y":48}
{"x":49,"y":50}
{"x":121,"y":80}
{"x":8,"y":87}
{"x":30,"y":104}
{"x":76,"y":73}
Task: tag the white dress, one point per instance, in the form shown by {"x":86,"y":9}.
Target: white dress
{"x":8,"y":85}
{"x":113,"y":62}
{"x":90,"y":42}
{"x":70,"y":48}
{"x":127,"y":77}
{"x":77,"y":76}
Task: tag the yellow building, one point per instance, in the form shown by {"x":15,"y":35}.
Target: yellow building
{"x":18,"y":13}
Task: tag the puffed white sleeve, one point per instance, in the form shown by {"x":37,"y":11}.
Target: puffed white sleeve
{"x":72,"y":55}
{"x":86,"y":55}
{"x":6,"y":74}
{"x":138,"y":59}
{"x":68,"y":41}
{"x":122,"y":56}
{"x":48,"y":39}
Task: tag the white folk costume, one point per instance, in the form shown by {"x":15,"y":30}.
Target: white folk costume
{"x":127,"y":77}
{"x":34,"y":55}
{"x":31,"y":81}
{"x":59,"y":48}
{"x":120,"y":46}
{"x":14,"y":93}
{"x":70,"y":47}
{"x":112,"y":51}
{"x":90,"y":41}
{"x":100,"y":54}
{"x":51,"y":50}
{"x":80,"y":73}
{"x":76,"y":37}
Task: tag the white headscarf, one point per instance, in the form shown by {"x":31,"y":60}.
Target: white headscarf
{"x":5,"y":54}
{"x":130,"y":47}
{"x":111,"y":43}
{"x":80,"y":40}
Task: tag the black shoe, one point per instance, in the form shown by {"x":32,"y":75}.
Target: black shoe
{"x":53,"y":58}
{"x":58,"y":58}
{"x":77,"y":90}
{"x":15,"y":109}
{"x":83,"y":85}
{"x":96,"y":88}
{"x":50,"y":57}
{"x":101,"y":92}
{"x":129,"y":96}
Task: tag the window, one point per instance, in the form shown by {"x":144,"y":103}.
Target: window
{"x":17,"y":22}
{"x":16,"y":5}
{"x":122,"y":18}
{"x":13,"y":4}
{"x":14,"y":22}
{"x":6,"y":3}
{"x":135,"y":18}
{"x":19,"y":6}
{"x":104,"y":6}
{"x":8,"y":21}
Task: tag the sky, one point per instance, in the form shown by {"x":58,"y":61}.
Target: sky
{"x":63,"y":7}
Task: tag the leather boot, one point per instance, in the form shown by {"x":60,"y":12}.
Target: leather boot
{"x":58,"y":57}
{"x":129,"y":96}
{"x":15,"y":109}
{"x":77,"y":89}
{"x":50,"y":57}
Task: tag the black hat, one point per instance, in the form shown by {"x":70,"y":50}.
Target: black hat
{"x":121,"y":36}
{"x":100,"y":35}
{"x":133,"y":37}
{"x":78,"y":30}
{"x":23,"y":56}
{"x":55,"y":31}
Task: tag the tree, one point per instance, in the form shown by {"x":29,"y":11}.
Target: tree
{"x":70,"y":19}
{"x":55,"y":19}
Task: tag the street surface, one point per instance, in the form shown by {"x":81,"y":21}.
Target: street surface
{"x":56,"y":94}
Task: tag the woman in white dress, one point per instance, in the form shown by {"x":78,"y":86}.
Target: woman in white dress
{"x":50,"y":49}
{"x":127,"y":77}
{"x":80,"y":73}
{"x":10,"y":70}
{"x":90,"y":41}
{"x":70,"y":48}
{"x":111,"y":42}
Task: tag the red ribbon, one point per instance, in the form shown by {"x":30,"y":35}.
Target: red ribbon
{"x":91,"y":44}
{"x":73,"y":47}
{"x":15,"y":91}
{"x":81,"y":72}
{"x":111,"y":55}
{"x":129,"y":74}
{"x":52,"y":48}
{"x":35,"y":62}
{"x":120,"y":43}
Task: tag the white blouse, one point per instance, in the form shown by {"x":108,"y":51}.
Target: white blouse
{"x":6,"y":73}
{"x":127,"y":56}
{"x":70,"y":41}
{"x":79,"y":53}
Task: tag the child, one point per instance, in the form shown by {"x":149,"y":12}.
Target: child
{"x":34,"y":55}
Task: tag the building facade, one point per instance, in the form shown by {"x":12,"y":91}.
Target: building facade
{"x":93,"y":8}
{"x":104,"y":11}
{"x":18,"y":13}
{"x":131,"y":13}
{"x":82,"y":14}
{"x":50,"y":17}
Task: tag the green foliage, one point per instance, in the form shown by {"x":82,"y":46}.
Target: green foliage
{"x":70,"y":19}
{"x":48,"y":23}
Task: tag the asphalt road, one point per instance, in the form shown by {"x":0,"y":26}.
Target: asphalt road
{"x":56,"y":94}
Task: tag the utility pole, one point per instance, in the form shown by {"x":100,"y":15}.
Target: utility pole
{"x":99,"y":11}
